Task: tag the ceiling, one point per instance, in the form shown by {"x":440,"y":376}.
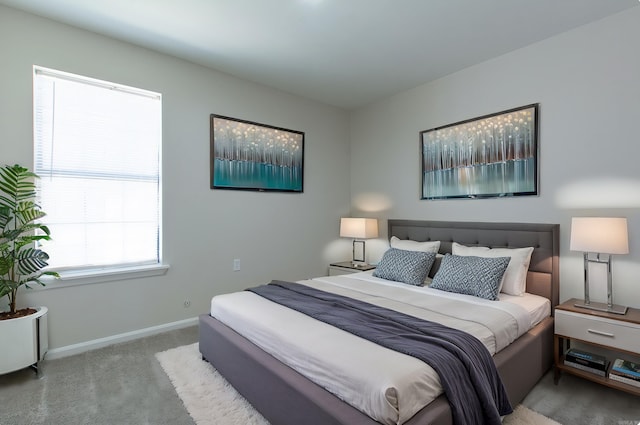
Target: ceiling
{"x":345,"y":53}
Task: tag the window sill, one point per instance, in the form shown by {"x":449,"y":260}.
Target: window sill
{"x":83,"y":277}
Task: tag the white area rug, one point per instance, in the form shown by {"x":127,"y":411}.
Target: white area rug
{"x":211,"y":400}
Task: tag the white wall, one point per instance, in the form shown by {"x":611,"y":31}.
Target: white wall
{"x":276,"y":235}
{"x":586,"y":82}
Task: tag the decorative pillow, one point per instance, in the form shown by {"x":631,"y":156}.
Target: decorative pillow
{"x":409,"y":267}
{"x":477,"y":276}
{"x":515,"y":278}
{"x":409,"y":245}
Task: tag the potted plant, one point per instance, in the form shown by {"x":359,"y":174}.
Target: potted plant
{"x":22,"y":331}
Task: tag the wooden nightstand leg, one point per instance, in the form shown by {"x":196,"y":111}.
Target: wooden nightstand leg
{"x":557,"y":350}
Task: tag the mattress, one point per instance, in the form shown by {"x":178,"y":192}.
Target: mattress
{"x":537,"y":308}
{"x":349,"y":366}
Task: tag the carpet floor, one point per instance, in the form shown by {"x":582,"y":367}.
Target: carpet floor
{"x":124,"y":384}
{"x":211,"y":400}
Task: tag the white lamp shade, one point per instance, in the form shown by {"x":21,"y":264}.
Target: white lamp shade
{"x":359,"y":228}
{"x":606,"y":235}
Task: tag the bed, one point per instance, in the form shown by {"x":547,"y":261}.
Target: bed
{"x":284,"y":396}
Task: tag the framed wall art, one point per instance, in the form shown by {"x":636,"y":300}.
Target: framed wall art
{"x":494,"y":155}
{"x":250,"y":156}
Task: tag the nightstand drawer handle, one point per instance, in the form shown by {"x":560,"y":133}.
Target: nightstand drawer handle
{"x":600,"y":333}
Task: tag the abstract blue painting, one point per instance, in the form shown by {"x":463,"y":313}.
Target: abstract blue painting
{"x":491,"y":156}
{"x":250,"y":156}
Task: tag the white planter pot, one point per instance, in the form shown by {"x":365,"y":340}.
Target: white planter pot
{"x":25,"y":341}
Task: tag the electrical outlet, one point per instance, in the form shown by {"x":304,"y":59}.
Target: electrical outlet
{"x":236,"y":265}
{"x":187,"y":303}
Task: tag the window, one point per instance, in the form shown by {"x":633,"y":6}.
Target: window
{"x":97,"y":148}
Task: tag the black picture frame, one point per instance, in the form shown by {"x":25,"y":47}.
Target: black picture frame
{"x":491,"y":156}
{"x":247,"y":155}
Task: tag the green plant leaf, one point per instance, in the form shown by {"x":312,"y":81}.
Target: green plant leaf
{"x":7,"y":202}
{"x":20,"y":262}
{"x":29,"y":239}
{"x":14,"y":234}
{"x":34,"y":280}
{"x":10,"y":178}
{"x":7,"y":286}
{"x":31,"y":260}
{"x":17,"y":183}
{"x":5,"y":216}
{"x":26,"y":212}
{"x":6,"y":264}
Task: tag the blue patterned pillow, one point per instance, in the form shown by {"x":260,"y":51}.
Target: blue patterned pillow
{"x":409,"y":267}
{"x":477,"y":276}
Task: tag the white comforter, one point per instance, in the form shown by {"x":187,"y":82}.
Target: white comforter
{"x":386,"y":385}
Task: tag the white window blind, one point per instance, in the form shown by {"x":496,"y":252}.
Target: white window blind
{"x":97,"y":148}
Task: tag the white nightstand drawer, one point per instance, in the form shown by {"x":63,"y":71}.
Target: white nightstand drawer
{"x":598,"y":330}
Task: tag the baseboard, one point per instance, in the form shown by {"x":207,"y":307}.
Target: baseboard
{"x":82,"y":347}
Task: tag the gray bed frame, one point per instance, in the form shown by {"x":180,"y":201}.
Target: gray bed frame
{"x":284,"y":397}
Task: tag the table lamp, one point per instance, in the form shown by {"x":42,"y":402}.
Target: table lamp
{"x":599,"y":235}
{"x":359,"y":228}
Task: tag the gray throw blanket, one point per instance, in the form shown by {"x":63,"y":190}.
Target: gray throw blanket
{"x":468,"y":375}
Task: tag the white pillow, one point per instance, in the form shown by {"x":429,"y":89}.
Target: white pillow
{"x":409,"y":245}
{"x":514,"y":281}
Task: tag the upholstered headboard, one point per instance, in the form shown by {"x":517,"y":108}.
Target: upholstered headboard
{"x":544,"y":271}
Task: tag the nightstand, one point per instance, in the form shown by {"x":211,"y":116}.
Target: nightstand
{"x":613,"y":332}
{"x":347,"y":267}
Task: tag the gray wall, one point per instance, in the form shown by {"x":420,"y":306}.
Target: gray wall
{"x":586,"y":82}
{"x":286,"y":236}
